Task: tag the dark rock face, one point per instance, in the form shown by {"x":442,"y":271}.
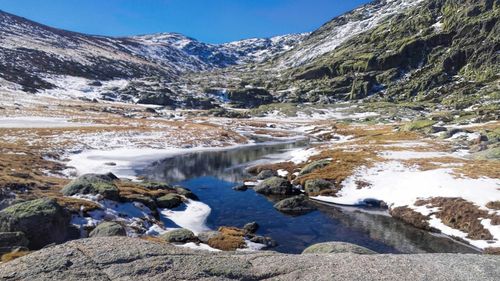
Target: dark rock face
{"x":275,"y":186}
{"x":267,"y":241}
{"x":156,"y":98}
{"x":43,"y":221}
{"x":296,"y":204}
{"x":248,"y":98}
{"x":10,"y":241}
{"x":93,"y":184}
{"x":251,"y":227}
{"x":122,"y":258}
{"x":108,"y":229}
{"x":336,"y":248}
{"x":241,"y":187}
{"x":179,"y":236}
{"x":169,"y":201}
{"x":185,"y":192}
{"x":196,"y":103}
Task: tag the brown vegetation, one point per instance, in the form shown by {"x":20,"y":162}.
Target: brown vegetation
{"x":460,"y":214}
{"x":14,"y":255}
{"x":342,"y":166}
{"x":410,"y":216}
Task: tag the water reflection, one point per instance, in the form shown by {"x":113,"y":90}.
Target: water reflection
{"x":211,"y":175}
{"x":224,"y":164}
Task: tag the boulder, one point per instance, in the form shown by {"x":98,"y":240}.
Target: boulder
{"x":169,"y":201}
{"x":249,"y":97}
{"x":251,"y":227}
{"x":294,"y":204}
{"x":156,"y":98}
{"x":275,"y":186}
{"x":336,"y":248}
{"x":179,"y":236}
{"x":265,"y":174}
{"x":199,"y":103}
{"x":314,"y":166}
{"x":316,"y":186}
{"x":108,"y":228}
{"x":146,"y":200}
{"x":185,"y":192}
{"x":488,"y":154}
{"x":453,"y":131}
{"x":11,"y":241}
{"x":207,"y":235}
{"x":268,"y":241}
{"x":241,"y":187}
{"x":93,"y":184}
{"x":418,"y":125}
{"x":43,"y":221}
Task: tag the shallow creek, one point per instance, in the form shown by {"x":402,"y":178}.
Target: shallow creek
{"x":212,"y":174}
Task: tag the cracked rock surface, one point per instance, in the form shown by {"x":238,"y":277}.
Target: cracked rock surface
{"x":121,"y":258}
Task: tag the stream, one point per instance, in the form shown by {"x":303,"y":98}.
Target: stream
{"x":212,"y":174}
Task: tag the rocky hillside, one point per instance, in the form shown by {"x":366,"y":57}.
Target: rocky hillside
{"x":431,"y":51}
{"x":30,"y":52}
{"x":223,"y":55}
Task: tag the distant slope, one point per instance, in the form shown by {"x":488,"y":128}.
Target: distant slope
{"x":441,"y":52}
{"x":30,"y":51}
{"x":223,"y":55}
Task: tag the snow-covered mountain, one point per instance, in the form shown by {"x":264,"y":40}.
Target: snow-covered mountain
{"x":337,"y":31}
{"x":30,"y":51}
{"x":222,"y":55}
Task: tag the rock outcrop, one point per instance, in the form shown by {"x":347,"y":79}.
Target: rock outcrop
{"x":43,"y":221}
{"x":93,"y":184}
{"x":336,"y":248}
{"x":120,"y":258}
{"x":275,"y":186}
{"x":108,"y":228}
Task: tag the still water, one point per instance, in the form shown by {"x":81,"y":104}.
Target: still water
{"x":212,"y":174}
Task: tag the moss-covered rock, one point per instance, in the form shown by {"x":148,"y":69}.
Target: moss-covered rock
{"x":10,"y":241}
{"x":43,"y":221}
{"x":264,"y":174}
{"x":179,"y":236}
{"x":93,"y":184}
{"x":418,"y":125}
{"x":169,"y":201}
{"x":275,"y":186}
{"x":185,"y":192}
{"x":296,"y":204}
{"x":488,"y":154}
{"x":108,"y":228}
{"x":249,"y":97}
{"x":317,"y":185}
{"x":314,"y":166}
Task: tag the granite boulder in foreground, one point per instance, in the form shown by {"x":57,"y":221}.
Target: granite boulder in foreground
{"x":121,"y":258}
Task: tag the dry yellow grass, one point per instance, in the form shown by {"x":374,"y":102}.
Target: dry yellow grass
{"x":14,"y":255}
{"x":343,"y":164}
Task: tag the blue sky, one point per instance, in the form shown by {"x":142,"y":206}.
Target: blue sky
{"x":213,"y":21}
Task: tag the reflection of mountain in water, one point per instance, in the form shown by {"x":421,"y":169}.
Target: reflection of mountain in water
{"x":212,"y":174}
{"x":221,"y":164}
{"x":401,"y":236}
